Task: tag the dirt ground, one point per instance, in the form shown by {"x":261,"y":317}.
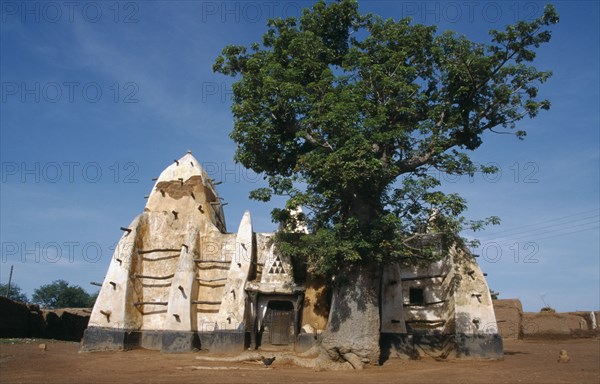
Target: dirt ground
{"x":524,"y":362}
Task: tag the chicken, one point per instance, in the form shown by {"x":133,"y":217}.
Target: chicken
{"x":267,"y":361}
{"x":563,"y":357}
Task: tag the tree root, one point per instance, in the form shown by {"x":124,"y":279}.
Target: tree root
{"x":314,"y":358}
{"x":245,"y":356}
{"x":313,"y":352}
{"x":354,"y":360}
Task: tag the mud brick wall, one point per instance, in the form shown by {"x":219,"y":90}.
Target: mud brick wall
{"x":509,"y":316}
{"x":513,"y":323}
{"x":28,"y":320}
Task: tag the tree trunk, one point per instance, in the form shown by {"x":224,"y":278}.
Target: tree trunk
{"x":354,"y":323}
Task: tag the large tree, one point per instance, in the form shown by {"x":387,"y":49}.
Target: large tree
{"x":345,"y":114}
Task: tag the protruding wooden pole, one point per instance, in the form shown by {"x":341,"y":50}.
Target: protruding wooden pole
{"x":107,"y":314}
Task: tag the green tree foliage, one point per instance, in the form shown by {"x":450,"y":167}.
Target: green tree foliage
{"x":345,"y":114}
{"x":15,"y":293}
{"x":59,"y":294}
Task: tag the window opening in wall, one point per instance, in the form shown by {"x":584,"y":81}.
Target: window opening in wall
{"x":416,"y":296}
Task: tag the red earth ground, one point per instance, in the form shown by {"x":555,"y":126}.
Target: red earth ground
{"x":524,"y":362}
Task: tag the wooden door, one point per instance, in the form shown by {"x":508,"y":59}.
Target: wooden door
{"x":280,"y":327}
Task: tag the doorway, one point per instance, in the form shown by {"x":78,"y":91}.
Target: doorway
{"x":280,"y":318}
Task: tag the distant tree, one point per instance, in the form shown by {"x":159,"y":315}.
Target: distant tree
{"x":345,"y":114}
{"x":93,"y":298}
{"x":15,"y":292}
{"x":59,"y":294}
{"x":494,"y":294}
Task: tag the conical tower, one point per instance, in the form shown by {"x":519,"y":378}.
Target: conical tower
{"x":176,"y":276}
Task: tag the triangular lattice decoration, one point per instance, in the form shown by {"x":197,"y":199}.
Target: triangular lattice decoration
{"x":277,"y":266}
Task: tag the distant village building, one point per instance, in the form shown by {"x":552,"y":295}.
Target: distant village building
{"x":178,"y":281}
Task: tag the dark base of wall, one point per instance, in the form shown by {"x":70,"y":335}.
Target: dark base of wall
{"x":105,"y":339}
{"x":110,"y":339}
{"x":438,"y":345}
{"x":225,"y":341}
{"x":460,"y":346}
{"x":180,"y":342}
{"x":150,"y":340}
{"x":396,"y":345}
{"x":479,"y":346}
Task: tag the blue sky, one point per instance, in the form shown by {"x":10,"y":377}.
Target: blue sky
{"x":99,"y":97}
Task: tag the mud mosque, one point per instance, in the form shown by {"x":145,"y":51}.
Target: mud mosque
{"x":179,"y":281}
